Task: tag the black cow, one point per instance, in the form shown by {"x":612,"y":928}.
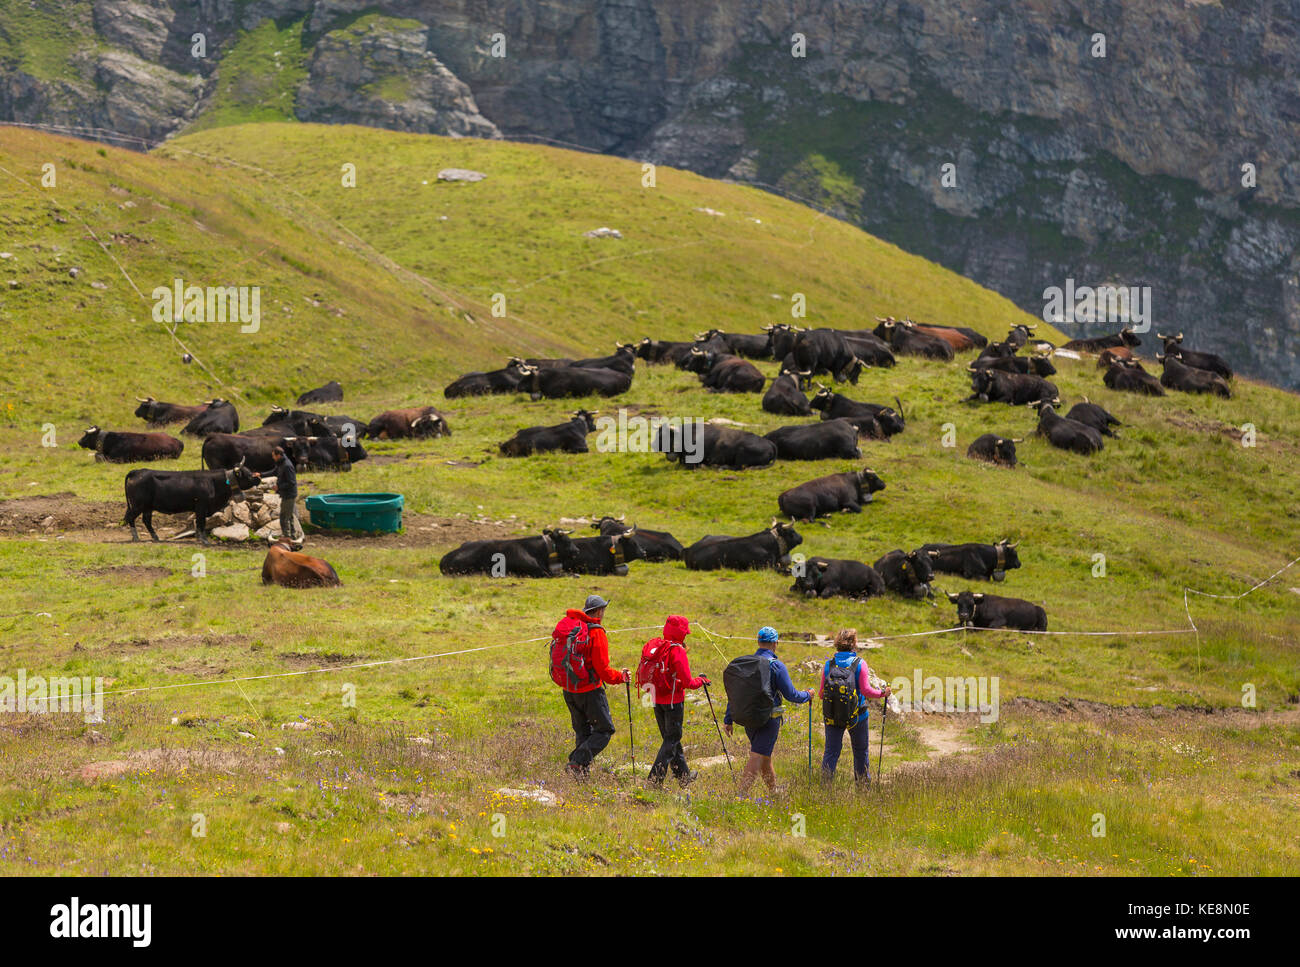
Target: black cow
{"x":831,"y":439}
{"x":1095,"y":416}
{"x":992,"y":448}
{"x":996,"y":350}
{"x":715,"y":446}
{"x":570,"y":437}
{"x":160,"y":414}
{"x":306,"y":423}
{"x":219,"y":417}
{"x":819,"y":351}
{"x":1020,"y":334}
{"x":1126,"y":337}
{"x":781,"y":338}
{"x":222,"y":451}
{"x":868,"y":347}
{"x":125,"y":447}
{"x":1018,"y":389}
{"x":562,"y":381}
{"x":623,"y":360}
{"x":1064,"y":433}
{"x":328,"y":452}
{"x":530,"y":557}
{"x":740,"y":344}
{"x":483,"y":384}
{"x":1038,"y":365}
{"x":657,"y":545}
{"x":766,"y":549}
{"x":731,"y":374}
{"x":908,"y":573}
{"x":785,"y":397}
{"x":976,"y":562}
{"x":202,"y":492}
{"x":1209,"y":361}
{"x":662,"y":351}
{"x":607,"y":554}
{"x":904,"y":337}
{"x":516,"y":363}
{"x":978,"y":610}
{"x":1188,"y":379}
{"x":835,"y":406}
{"x":830,"y":494}
{"x":822,"y":577}
{"x":331,"y":392}
{"x":1128,"y":376}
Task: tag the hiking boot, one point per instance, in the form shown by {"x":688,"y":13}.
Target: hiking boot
{"x":686,"y":778}
{"x":576,"y":772}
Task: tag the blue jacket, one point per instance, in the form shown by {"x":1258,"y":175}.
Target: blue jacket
{"x":781,"y":686}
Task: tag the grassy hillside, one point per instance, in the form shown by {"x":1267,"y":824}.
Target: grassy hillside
{"x":388,"y":287}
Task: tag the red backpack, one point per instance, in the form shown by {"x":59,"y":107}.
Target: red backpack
{"x":652,"y":669}
{"x":571,"y":654}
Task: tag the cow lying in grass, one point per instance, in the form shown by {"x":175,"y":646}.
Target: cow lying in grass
{"x":291,"y":569}
{"x":822,"y":577}
{"x":977,"y":610}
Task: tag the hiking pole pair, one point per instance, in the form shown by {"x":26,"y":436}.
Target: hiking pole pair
{"x":725,"y":751}
{"x":631,"y":738}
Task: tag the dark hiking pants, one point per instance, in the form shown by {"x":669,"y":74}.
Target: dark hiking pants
{"x":670,"y":719}
{"x":592,"y":725}
{"x":859,"y":738}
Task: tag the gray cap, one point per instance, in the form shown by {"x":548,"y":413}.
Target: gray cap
{"x":594,"y":603}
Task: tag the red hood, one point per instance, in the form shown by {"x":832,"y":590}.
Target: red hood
{"x":676,"y":628}
{"x":580,"y":615}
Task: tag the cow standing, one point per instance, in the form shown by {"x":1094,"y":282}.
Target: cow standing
{"x":203,"y":492}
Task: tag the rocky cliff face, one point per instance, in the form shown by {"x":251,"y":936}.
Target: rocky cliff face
{"x":1090,"y":139}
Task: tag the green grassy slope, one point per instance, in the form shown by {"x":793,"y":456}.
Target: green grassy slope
{"x":1176,"y":501}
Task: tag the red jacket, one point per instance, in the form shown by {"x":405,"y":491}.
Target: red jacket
{"x":599,"y":656}
{"x":678,"y":670}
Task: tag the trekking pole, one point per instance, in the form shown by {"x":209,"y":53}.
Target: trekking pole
{"x":880,"y":760}
{"x":810,"y":705}
{"x":725,"y":751}
{"x":631,"y":738}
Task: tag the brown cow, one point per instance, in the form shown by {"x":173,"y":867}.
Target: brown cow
{"x":418,"y":421}
{"x":1113,"y":355}
{"x":290,"y":569}
{"x":956,"y":338}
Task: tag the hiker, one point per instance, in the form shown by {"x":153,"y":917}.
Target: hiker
{"x":666,"y":671}
{"x":845,"y":688}
{"x":580,"y":665}
{"x":755,"y":686}
{"x":286,"y":485}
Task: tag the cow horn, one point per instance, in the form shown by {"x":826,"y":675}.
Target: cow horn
{"x":699,"y":336}
{"x":979,"y":595}
{"x":1159,"y":335}
{"x":767,"y":328}
{"x":1179,"y":337}
{"x":1160,"y":357}
{"x":290,"y":439}
{"x":91,"y":429}
{"x":775,"y":521}
{"x":149,"y":400}
{"x":951,"y":597}
{"x":1017,"y":439}
{"x":312,"y":439}
{"x":933,"y":553}
{"x":617,"y":344}
{"x":972,"y":368}
{"x":621,"y":517}
{"x":805,"y":373}
{"x":1014,"y":546}
{"x":1085,"y":399}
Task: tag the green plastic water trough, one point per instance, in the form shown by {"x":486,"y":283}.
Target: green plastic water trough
{"x":381,"y":513}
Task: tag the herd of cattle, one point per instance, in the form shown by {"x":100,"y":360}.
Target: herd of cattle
{"x":722,"y":363}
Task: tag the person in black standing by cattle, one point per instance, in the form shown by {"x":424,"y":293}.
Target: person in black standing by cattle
{"x":286,"y":485}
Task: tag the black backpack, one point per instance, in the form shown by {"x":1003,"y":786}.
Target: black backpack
{"x":840,"y":696}
{"x":748,"y":684}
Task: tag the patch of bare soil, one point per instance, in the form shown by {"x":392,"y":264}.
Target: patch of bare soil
{"x":1078,"y":708}
{"x":56,"y":513}
{"x":422,"y":530}
{"x":312,"y":659}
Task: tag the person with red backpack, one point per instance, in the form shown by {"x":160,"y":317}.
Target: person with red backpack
{"x":580,"y":666}
{"x":665,"y":671}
